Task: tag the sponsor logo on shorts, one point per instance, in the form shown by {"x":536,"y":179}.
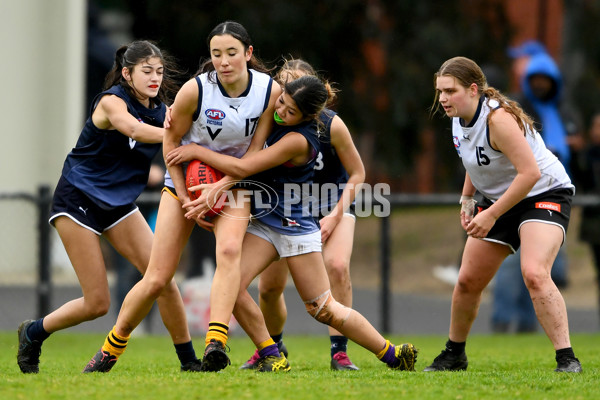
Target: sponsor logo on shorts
{"x":546,"y":205}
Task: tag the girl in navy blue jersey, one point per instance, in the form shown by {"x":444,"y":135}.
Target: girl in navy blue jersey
{"x":101,"y":179}
{"x":283,"y":227}
{"x":338,"y":173}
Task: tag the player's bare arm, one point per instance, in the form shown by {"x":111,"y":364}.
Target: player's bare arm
{"x":181,"y":119}
{"x":341,"y":140}
{"x":111,"y":113}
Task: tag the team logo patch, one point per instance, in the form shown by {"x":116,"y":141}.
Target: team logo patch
{"x":546,"y":205}
{"x":456,"y":142}
{"x":214,"y":114}
{"x":289,"y":222}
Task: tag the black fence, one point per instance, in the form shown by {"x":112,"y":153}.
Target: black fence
{"x":43,"y":198}
{"x":42,"y":202}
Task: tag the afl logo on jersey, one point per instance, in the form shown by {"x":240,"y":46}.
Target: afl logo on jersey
{"x":456,"y":141}
{"x":214,"y":116}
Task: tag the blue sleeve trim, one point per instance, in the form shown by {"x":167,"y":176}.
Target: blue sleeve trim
{"x":197,"y":112}
{"x":269,"y":88}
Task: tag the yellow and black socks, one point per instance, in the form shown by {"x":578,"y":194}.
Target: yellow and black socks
{"x":217,"y":331}
{"x":115,"y":344}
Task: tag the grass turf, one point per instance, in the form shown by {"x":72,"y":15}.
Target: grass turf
{"x":501,"y":367}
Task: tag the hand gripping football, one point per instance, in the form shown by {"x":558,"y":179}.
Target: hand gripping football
{"x":198,"y":173}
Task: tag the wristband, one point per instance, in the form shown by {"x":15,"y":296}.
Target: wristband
{"x":467,"y":205}
{"x":463,"y":198}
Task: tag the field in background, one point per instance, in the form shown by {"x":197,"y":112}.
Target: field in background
{"x":501,"y":367}
{"x":425,"y":237}
{"x":422,"y":238}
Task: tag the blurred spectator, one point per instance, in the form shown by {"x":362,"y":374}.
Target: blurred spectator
{"x":520,"y":56}
{"x":541,"y":89}
{"x":590,"y":183}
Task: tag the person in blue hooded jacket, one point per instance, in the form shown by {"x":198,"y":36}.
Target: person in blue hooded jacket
{"x":542,"y":87}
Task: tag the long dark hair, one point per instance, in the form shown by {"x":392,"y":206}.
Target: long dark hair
{"x":238,"y":31}
{"x":130,"y":55}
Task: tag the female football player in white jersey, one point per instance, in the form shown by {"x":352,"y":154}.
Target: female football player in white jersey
{"x":338,"y":164}
{"x":526,"y":203}
{"x":227,"y":107}
{"x":101,"y":179}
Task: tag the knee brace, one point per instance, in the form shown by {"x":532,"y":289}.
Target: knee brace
{"x":327,"y":310}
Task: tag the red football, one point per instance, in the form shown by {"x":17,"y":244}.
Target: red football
{"x":198,"y":173}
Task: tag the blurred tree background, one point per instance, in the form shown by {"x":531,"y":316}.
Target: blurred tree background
{"x":382,"y":56}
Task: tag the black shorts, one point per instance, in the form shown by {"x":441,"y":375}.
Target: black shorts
{"x":552,"y":207}
{"x":71,"y":202}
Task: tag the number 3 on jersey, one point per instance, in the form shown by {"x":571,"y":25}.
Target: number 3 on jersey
{"x":319,"y":162}
{"x":482,"y":158}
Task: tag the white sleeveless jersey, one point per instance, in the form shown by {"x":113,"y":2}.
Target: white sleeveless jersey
{"x":491,"y":172}
{"x":225,"y":124}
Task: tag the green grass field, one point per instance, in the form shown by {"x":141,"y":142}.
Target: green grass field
{"x":501,"y":367}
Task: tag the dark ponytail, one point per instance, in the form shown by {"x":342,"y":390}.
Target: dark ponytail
{"x":311,"y":95}
{"x":114,"y":76}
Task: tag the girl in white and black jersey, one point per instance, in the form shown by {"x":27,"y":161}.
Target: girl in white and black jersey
{"x":527,"y":203}
{"x":201,"y":116}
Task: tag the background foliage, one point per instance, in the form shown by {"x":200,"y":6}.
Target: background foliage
{"x":382,"y":55}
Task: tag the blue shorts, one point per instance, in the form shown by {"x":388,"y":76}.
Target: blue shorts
{"x":552,"y":207}
{"x":71,"y":202}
